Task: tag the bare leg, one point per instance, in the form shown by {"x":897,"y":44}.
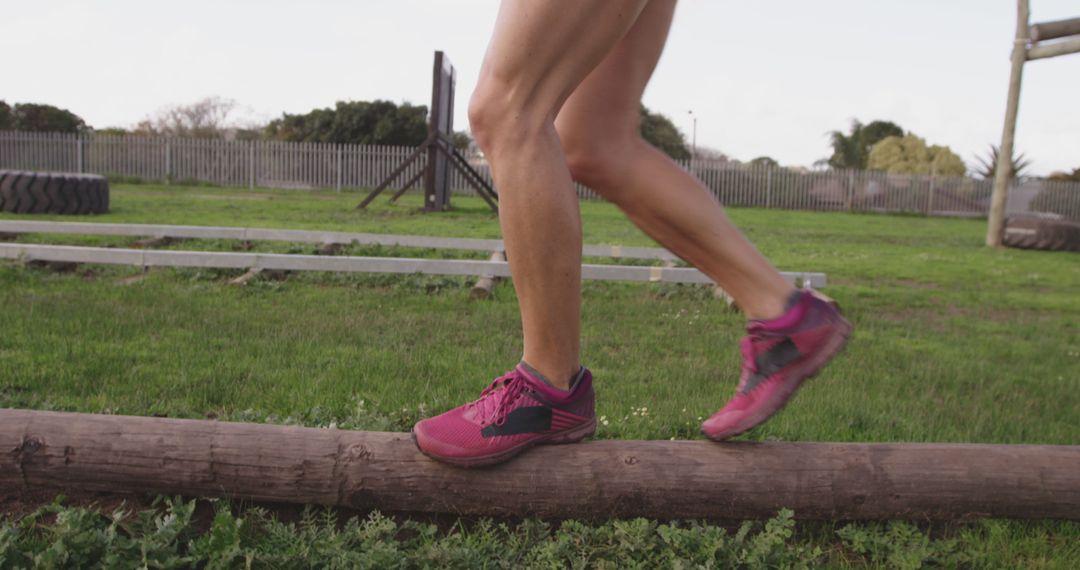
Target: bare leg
{"x":599,"y":127}
{"x":540,"y":52}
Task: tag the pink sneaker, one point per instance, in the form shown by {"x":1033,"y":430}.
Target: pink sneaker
{"x":778,"y":356}
{"x":515,"y":412}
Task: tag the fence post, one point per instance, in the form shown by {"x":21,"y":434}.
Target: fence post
{"x":851,"y":191}
{"x":251,"y":165}
{"x":768,"y":186}
{"x":930,"y":198}
{"x":168,"y":162}
{"x":79,"y":164}
{"x":337,"y":182}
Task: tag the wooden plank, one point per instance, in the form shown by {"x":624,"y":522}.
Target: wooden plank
{"x":657,"y":479}
{"x":303,"y":236}
{"x":289,"y":262}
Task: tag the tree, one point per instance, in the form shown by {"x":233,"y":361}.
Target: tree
{"x":853,"y":149}
{"x":206,"y":118}
{"x":764,"y":162}
{"x":36,"y":117}
{"x":660,"y":132}
{"x":355,"y":122}
{"x":909,"y":154}
{"x":987,"y":166}
{"x":462,"y":141}
{"x":1065,"y":176}
{"x":7,"y":118}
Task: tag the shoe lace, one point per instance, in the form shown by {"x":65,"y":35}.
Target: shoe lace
{"x":496,"y":400}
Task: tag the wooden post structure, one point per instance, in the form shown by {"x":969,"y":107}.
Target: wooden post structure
{"x":1021,"y":53}
{"x":440,"y":151}
{"x":995,"y":230}
{"x":657,"y":479}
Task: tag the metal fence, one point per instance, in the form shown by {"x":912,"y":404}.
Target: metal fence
{"x":318,"y":165}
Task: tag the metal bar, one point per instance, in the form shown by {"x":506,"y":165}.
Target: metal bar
{"x":290,"y":262}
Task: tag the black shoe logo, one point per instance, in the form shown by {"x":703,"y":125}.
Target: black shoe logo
{"x":771,"y":362}
{"x":529,"y":419}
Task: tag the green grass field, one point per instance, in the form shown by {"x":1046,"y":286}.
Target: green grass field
{"x":954,"y":343}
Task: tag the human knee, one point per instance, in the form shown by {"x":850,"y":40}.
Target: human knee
{"x":597,"y":162}
{"x":497,"y":118}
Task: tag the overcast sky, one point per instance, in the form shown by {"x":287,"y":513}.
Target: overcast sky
{"x":767,"y":77}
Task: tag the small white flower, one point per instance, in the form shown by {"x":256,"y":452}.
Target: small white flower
{"x":605,"y":422}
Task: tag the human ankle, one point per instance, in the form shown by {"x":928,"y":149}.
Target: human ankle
{"x":564,"y":383}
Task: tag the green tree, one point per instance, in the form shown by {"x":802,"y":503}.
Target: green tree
{"x":7,"y":118}
{"x":852,"y":150}
{"x":764,"y":162}
{"x":462,"y":141}
{"x":660,"y":132}
{"x":1065,"y":176}
{"x":986,"y":166}
{"x":909,"y":154}
{"x":39,"y":118}
{"x":355,"y":122}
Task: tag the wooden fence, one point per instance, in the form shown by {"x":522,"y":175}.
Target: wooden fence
{"x":276,"y":164}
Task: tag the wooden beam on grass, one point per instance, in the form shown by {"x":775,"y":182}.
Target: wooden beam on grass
{"x":592,"y":480}
{"x":351,"y":264}
{"x":485,"y":285}
{"x":16,"y":227}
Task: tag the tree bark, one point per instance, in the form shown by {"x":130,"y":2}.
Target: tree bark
{"x":658,"y":479}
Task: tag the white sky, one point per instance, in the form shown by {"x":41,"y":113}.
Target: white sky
{"x":767,"y":77}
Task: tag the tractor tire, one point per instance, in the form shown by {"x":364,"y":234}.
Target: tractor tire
{"x":1042,"y":232}
{"x":23,"y":192}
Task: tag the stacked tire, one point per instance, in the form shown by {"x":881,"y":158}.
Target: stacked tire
{"x":1048,"y":232}
{"x":23,"y":192}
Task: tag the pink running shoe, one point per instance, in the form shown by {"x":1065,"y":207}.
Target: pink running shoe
{"x":515,"y":412}
{"x":778,"y":356}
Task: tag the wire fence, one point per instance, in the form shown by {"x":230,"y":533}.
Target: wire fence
{"x":275,"y":164}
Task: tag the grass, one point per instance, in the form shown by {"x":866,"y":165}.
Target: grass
{"x":954,"y":342}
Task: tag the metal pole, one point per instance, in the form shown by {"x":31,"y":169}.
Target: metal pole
{"x":996,"y":223}
{"x":168,"y":162}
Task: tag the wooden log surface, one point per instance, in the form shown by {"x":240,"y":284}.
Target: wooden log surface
{"x":661,"y":479}
{"x":1052,"y":30}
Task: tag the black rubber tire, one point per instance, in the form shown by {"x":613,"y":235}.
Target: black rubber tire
{"x":24,"y":192}
{"x":1031,"y":231}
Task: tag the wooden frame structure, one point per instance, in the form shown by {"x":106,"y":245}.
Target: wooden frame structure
{"x":1049,"y":39}
{"x":440,"y":151}
{"x":657,"y":479}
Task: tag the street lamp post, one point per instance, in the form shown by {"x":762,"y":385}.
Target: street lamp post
{"x":693,"y":138}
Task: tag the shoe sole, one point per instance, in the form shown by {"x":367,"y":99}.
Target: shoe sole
{"x":803,"y":372}
{"x":573,"y":435}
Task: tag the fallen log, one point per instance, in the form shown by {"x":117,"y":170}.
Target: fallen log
{"x":660,"y":479}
